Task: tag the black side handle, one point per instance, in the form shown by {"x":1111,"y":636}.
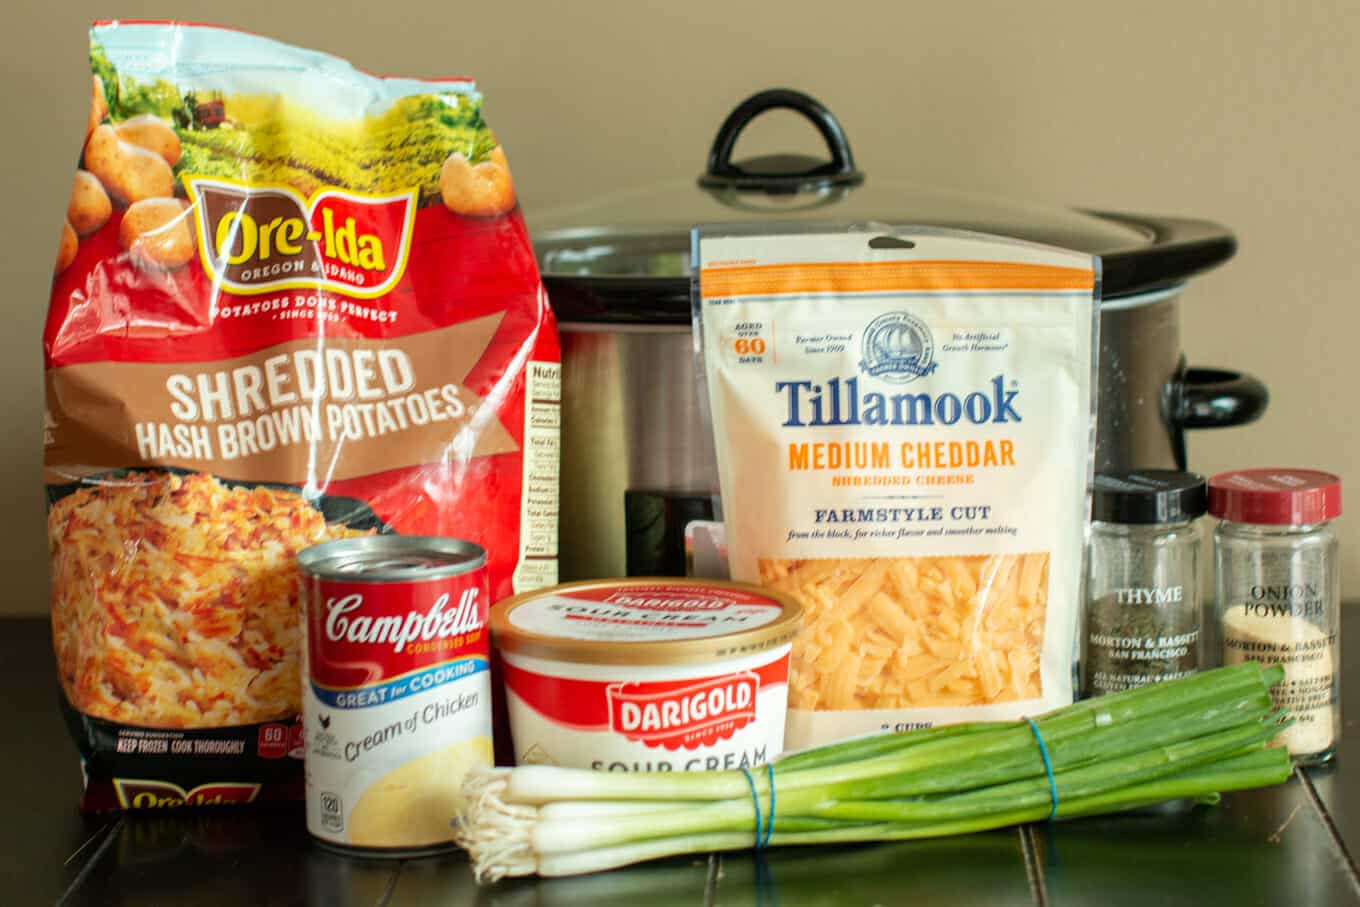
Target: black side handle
{"x":1217,"y":398}
{"x":780,"y":172}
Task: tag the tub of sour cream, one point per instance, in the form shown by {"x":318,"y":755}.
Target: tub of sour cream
{"x":660,"y":674}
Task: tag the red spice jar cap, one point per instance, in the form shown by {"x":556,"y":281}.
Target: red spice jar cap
{"x":1275,"y":497}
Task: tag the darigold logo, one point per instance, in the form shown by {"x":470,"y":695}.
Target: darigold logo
{"x":690,"y":715}
{"x":897,"y":348}
{"x":667,"y":602}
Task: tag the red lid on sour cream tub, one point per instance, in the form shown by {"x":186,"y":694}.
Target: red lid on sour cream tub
{"x":644,"y":620}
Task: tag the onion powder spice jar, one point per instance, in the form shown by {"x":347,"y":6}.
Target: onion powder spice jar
{"x":1143,"y":612}
{"x":1278,"y":592}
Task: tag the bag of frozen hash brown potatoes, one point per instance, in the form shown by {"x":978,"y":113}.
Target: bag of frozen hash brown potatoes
{"x":905,"y":422}
{"x":293,"y":303}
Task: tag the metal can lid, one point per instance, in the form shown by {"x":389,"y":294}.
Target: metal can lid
{"x":1275,"y":497}
{"x":391,"y":558}
{"x":1148,"y":496}
{"x":644,"y":620}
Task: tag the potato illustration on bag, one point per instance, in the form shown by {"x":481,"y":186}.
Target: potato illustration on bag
{"x":141,"y":174}
{"x":99,"y":107}
{"x":66,"y":249}
{"x":129,"y":172}
{"x":101,"y":153}
{"x":477,"y":190}
{"x":152,"y":134}
{"x":89,"y":207}
{"x":155,"y":233}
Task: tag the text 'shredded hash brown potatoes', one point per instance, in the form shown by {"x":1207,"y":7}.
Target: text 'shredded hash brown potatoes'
{"x":905,"y":436}
{"x":292,"y":303}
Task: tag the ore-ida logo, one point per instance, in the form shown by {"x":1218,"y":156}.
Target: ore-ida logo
{"x":256,"y":238}
{"x":137,"y":793}
{"x":897,"y":348}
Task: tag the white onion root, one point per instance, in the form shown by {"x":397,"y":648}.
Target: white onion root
{"x":498,"y":836}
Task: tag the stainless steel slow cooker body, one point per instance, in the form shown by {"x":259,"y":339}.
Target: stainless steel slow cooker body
{"x":637,"y":454}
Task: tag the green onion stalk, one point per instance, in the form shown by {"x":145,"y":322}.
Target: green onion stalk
{"x":1190,"y":738}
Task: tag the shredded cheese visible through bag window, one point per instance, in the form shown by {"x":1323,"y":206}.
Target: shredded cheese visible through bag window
{"x":904,"y":441}
{"x":897,"y":632}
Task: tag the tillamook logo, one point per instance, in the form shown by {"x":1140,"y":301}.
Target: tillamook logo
{"x":692,"y":716}
{"x":256,"y":239}
{"x":839,"y":401}
{"x":896,"y":348}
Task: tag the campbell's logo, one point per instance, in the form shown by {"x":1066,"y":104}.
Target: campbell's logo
{"x":370,"y":643}
{"x":345,"y":621}
{"x":142,"y":794}
{"x":690,"y":716}
{"x":254,"y":239}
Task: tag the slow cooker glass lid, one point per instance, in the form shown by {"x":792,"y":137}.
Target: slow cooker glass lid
{"x":645,"y":233}
{"x":625,"y":256}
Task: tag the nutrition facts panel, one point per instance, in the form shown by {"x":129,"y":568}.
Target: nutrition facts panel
{"x":542,"y":446}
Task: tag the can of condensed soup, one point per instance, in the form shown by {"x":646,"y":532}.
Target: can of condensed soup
{"x":646,"y":674}
{"x":396,"y":704}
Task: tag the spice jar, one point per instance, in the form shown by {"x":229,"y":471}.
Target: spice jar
{"x":1143,"y":606}
{"x":1278,"y":592}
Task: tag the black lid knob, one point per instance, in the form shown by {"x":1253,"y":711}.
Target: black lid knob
{"x":780,"y":173}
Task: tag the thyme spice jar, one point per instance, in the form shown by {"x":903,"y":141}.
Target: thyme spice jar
{"x":1278,"y":592}
{"x":1143,"y":611}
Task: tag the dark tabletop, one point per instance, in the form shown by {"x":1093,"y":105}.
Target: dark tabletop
{"x":1284,"y":845}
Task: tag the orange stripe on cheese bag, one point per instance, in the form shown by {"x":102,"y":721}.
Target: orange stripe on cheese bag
{"x":905,"y":428}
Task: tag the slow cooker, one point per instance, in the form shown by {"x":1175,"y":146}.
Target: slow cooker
{"x":637,"y":454}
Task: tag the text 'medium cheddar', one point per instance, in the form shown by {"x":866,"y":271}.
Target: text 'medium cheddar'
{"x":904,"y":438}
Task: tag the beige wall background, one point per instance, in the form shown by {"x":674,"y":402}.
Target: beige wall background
{"x":1240,"y":112}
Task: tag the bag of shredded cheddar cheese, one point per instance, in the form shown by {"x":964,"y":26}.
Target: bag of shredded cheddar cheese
{"x":905,"y":427}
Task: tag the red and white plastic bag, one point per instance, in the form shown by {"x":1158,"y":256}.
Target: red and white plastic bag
{"x":293,"y":302}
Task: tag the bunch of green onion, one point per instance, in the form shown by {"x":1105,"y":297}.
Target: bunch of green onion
{"x":1185,"y":739}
